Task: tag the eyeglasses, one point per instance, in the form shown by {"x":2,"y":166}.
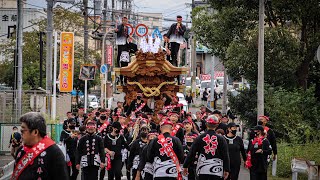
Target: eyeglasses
{"x":23,"y":130}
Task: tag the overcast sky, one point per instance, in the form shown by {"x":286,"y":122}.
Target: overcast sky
{"x":169,"y":8}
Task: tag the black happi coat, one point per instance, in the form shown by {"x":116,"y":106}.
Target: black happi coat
{"x":49,"y":165}
{"x":89,"y":150}
{"x":162,"y":163}
{"x":173,"y":28}
{"x":146,"y":168}
{"x":213,"y":154}
{"x":71,"y":143}
{"x":135,"y":151}
{"x":120,"y":143}
{"x":271,"y":138}
{"x":235,"y":146}
{"x":259,"y":161}
{"x":135,"y":105}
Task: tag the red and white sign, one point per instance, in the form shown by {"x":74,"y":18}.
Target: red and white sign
{"x":130,"y":29}
{"x":109,"y":54}
{"x":207,"y":77}
{"x":141,"y":30}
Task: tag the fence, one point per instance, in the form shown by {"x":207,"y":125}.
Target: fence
{"x":53,"y":131}
{"x":32,"y":100}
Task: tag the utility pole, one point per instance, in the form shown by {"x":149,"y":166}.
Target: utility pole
{"x":50,"y":4}
{"x":102,"y":76}
{"x":41,"y":58}
{"x":261,"y":60}
{"x":212,"y":85}
{"x":194,"y":59}
{"x":19,"y":49}
{"x":85,"y":27}
{"x":224,"y":97}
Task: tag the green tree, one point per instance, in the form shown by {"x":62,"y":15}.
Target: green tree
{"x":64,"y":20}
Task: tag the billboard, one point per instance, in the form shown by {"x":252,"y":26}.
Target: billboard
{"x":87,"y":72}
{"x":66,"y":61}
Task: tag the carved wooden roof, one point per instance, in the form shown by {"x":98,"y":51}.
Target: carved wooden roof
{"x":150,"y":64}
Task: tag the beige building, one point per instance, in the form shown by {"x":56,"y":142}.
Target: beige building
{"x":152,"y":20}
{"x":9,"y":4}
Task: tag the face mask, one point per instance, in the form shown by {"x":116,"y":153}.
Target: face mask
{"x":234,"y":132}
{"x":117,"y":131}
{"x":103,"y":117}
{"x":189,"y":144}
{"x":260,"y":123}
{"x":138,"y":97}
{"x":72,"y":127}
{"x":143,"y":134}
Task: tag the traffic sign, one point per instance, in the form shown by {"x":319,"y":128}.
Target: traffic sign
{"x":141,"y":30}
{"x":103,"y":69}
{"x":130,"y":29}
{"x":157,"y":33}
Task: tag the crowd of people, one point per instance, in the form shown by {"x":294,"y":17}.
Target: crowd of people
{"x":170,"y":144}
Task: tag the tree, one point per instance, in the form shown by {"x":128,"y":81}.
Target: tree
{"x":64,"y":20}
{"x":281,"y":58}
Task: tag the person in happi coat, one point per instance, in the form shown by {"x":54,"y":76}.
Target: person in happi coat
{"x":145,"y":169}
{"x":90,"y":153}
{"x":236,"y":147}
{"x":70,"y":139}
{"x":39,"y":158}
{"x":175,"y":34}
{"x":114,"y":143}
{"x":258,"y":152}
{"x":165,"y":152}
{"x":213,"y":161}
{"x":136,"y":149}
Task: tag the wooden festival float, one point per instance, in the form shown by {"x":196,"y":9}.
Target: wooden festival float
{"x":152,"y":75}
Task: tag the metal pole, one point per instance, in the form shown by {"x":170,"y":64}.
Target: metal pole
{"x":19,"y":48}
{"x":103,"y":94}
{"x":261,"y":60}
{"x":85,"y":95}
{"x":224,"y":97}
{"x":194,"y":59}
{"x":54,"y":98}
{"x":50,"y":4}
{"x":212,"y":82}
{"x":86,"y":36}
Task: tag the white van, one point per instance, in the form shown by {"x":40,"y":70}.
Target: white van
{"x":188,"y":84}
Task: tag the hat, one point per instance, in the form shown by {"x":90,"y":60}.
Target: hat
{"x":212,"y":119}
{"x":259,"y":128}
{"x":116,"y":125}
{"x":71,"y":120}
{"x":232,"y":125}
{"x":265,"y":117}
{"x":162,"y":113}
{"x":179,"y":16}
{"x":139,"y":94}
{"x":166,"y":122}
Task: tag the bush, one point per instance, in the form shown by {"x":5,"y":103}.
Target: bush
{"x":286,"y":152}
{"x":294,"y":114}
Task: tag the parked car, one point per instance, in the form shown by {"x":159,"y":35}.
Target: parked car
{"x":188,"y":84}
{"x":182,"y":100}
{"x":93,"y":101}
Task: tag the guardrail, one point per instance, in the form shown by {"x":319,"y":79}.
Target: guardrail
{"x":6,"y":171}
{"x":305,"y":167}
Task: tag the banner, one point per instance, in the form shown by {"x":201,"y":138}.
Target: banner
{"x":109,"y":53}
{"x":66,"y":61}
